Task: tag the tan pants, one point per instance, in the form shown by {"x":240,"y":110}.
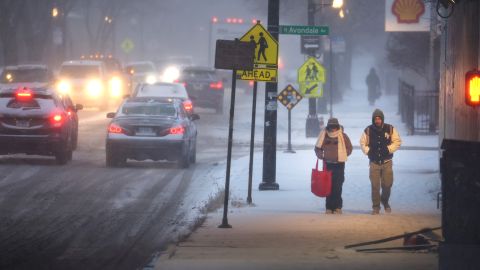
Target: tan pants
{"x":381,"y":176}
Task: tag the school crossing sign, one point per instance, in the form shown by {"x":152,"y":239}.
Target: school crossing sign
{"x":311,"y":77}
{"x":265,"y":57}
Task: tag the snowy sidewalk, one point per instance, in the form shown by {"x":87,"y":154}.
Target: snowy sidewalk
{"x":287,"y":229}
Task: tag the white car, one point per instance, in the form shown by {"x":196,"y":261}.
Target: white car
{"x":86,"y":82}
{"x":167,"y":90}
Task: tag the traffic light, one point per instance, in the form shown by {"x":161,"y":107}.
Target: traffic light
{"x":472,"y":88}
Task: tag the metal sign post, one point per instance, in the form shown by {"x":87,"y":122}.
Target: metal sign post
{"x":252,"y":143}
{"x":289,"y":97}
{"x":232,"y":55}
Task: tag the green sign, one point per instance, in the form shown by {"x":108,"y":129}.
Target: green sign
{"x":304,"y":30}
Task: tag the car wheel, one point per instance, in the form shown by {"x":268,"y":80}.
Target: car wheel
{"x":63,"y":156}
{"x":184,"y":160}
{"x":111,"y":158}
{"x":193,"y":155}
{"x":75,"y":141}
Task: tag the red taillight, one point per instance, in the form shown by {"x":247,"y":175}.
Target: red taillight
{"x":177,"y":130}
{"x":113,"y":128}
{"x":183,"y":83}
{"x":57,"y":120}
{"x":187,"y":105}
{"x":250,"y":83}
{"x":24,"y":94}
{"x":216,"y":85}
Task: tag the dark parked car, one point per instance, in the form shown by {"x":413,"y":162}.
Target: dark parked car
{"x":26,"y":75}
{"x":204,"y":87}
{"x":153,"y":128}
{"x":38,"y":122}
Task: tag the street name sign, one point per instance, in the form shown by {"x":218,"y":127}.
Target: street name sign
{"x":304,"y":30}
{"x":265,"y":56}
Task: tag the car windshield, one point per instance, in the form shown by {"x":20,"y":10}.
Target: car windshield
{"x":112,"y":65}
{"x":24,"y":75}
{"x":79,"y":71}
{"x":198,"y":75}
{"x":140,"y":68}
{"x":166,"y":90}
{"x":151,"y":108}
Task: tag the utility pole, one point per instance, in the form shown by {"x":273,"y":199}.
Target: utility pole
{"x":312,"y":124}
{"x":270,"y":125}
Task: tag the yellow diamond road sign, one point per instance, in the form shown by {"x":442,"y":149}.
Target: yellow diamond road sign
{"x":311,"y":77}
{"x":127,"y":45}
{"x":289,"y":97}
{"x":265,"y":57}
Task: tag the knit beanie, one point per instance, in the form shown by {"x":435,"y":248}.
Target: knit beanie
{"x":378,"y":113}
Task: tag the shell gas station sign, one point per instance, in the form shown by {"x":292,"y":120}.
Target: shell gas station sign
{"x":407,"y":16}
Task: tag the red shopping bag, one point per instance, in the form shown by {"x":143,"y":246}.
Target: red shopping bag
{"x":321,"y":181}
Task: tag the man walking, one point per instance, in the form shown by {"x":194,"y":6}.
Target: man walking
{"x":378,"y":142}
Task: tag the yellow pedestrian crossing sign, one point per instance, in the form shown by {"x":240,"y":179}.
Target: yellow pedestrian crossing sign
{"x":265,"y":57}
{"x":311,"y":77}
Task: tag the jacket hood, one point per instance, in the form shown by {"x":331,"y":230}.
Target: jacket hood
{"x":378,"y":113}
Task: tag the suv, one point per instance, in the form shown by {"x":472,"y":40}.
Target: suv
{"x":142,"y":72}
{"x":38,"y":121}
{"x":204,"y":87}
{"x":86,"y":82}
{"x":26,"y":75}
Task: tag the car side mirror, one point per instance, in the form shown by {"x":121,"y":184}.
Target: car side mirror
{"x":110,"y":115}
{"x":78,"y":107}
{"x":194,"y":116}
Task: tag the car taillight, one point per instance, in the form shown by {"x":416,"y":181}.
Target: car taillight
{"x":216,"y":85}
{"x":188,"y":106}
{"x":57,"y":120}
{"x":177,"y":130}
{"x":183,"y":83}
{"x":24,"y":94}
{"x":113,"y":128}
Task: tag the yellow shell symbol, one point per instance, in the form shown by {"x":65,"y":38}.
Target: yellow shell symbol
{"x":408,"y":11}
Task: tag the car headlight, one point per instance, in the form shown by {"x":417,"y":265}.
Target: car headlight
{"x":151,"y":79}
{"x":94,"y":88}
{"x":64,"y":87}
{"x":171,"y":74}
{"x":116,"y":87}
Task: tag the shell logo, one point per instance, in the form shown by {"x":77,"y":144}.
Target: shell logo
{"x":408,"y":11}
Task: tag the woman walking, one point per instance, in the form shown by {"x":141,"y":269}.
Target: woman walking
{"x":333,"y":146}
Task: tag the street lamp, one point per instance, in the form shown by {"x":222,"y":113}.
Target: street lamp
{"x":312,"y":122}
{"x":54,"y":12}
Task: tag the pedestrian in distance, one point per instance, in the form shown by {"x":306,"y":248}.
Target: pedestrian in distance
{"x":373,"y":84}
{"x":333,"y":146}
{"x":379,"y":141}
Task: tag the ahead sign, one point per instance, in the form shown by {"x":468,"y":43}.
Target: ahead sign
{"x":265,"y":57}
